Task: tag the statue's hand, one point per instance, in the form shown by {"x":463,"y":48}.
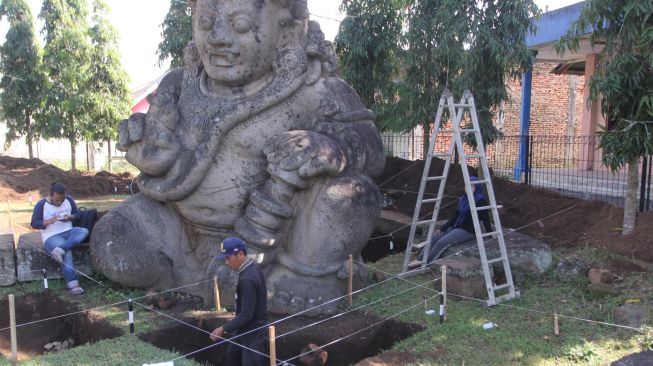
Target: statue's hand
{"x":309,"y":153}
{"x":130,"y":131}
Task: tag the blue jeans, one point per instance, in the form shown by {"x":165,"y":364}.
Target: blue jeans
{"x":66,"y":241}
{"x":440,"y":243}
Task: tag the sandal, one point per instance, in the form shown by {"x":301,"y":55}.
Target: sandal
{"x":77,"y":290}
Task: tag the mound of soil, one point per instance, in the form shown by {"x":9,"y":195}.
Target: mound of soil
{"x":353,"y":345}
{"x":557,"y":220}
{"x":19,"y":177}
{"x":82,"y":328}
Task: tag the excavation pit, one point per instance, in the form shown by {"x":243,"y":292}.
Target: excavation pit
{"x":32,"y":338}
{"x":361,"y":336}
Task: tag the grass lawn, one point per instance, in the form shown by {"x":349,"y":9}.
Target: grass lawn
{"x":520,"y":337}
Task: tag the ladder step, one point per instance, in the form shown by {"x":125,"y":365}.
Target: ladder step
{"x":467,"y":130}
{"x":489,"y":234}
{"x":435,"y":177}
{"x":495,"y":260}
{"x":480,"y":181}
{"x":501,"y":287}
{"x":441,"y":155}
{"x":482,"y":208}
{"x":420,"y":245}
{"x":415,"y":264}
{"x":474,"y":156}
{"x":425,"y":222}
{"x":431,"y":200}
{"x":463,"y":105}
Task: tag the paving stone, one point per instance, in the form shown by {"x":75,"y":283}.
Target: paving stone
{"x":7,"y":260}
{"x":31,"y":259}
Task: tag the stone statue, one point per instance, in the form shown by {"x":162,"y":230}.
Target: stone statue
{"x":253,"y":137}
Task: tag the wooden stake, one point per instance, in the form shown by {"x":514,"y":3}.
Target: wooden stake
{"x":556,"y":326}
{"x":216,"y":294}
{"x":443,"y":271}
{"x":273,"y":345}
{"x":12,"y":324}
{"x":350,"y":288}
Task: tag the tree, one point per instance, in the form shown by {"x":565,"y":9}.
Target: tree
{"x":176,"y":32}
{"x":22,"y":80}
{"x":455,"y":44}
{"x":67,"y":55}
{"x":109,"y":94}
{"x":622,"y":83}
{"x":368,"y":47}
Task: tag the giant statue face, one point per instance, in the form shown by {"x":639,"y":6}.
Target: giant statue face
{"x":236,"y":39}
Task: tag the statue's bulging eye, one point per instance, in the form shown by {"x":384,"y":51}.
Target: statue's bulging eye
{"x":206,"y":22}
{"x":242,"y":24}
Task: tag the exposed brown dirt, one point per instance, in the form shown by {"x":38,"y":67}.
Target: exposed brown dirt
{"x":19,"y":177}
{"x":558,"y":220}
{"x":82,"y":328}
{"x":360,"y":344}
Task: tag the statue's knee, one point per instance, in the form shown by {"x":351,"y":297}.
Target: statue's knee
{"x":356,"y":195}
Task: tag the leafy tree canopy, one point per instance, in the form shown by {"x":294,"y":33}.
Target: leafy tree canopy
{"x":22,"y":82}
{"x":458,"y":44}
{"x":176,"y":32}
{"x":623,"y":81}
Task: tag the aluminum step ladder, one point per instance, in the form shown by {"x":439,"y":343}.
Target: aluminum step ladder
{"x":460,"y":127}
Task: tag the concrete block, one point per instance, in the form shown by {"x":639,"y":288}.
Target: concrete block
{"x":7,"y":260}
{"x":31,"y":259}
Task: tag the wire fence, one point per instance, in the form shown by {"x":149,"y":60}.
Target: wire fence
{"x":569,"y":165}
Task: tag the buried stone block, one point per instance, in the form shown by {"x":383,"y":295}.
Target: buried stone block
{"x":464,"y":276}
{"x":31,"y":259}
{"x":7,"y":261}
{"x":526,"y":255}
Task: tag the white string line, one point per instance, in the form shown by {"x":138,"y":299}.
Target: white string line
{"x":368,"y":327}
{"x":408,"y":225}
{"x":228,"y":340}
{"x":142,"y":305}
{"x":355,"y":309}
{"x":548,"y":313}
{"x":398,"y":174}
{"x":290,"y":316}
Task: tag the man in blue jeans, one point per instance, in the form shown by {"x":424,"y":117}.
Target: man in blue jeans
{"x":54,"y":216}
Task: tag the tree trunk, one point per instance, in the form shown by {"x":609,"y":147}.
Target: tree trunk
{"x":630,"y":201}
{"x":108,"y":154}
{"x":73,"y":152}
{"x":30,"y":134}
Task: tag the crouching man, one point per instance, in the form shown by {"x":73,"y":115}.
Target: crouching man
{"x":54,"y":216}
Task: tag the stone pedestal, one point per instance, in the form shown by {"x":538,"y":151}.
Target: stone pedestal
{"x":31,"y":259}
{"x":7,"y":260}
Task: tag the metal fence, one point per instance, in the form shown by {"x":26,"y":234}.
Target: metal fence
{"x":570,"y":165}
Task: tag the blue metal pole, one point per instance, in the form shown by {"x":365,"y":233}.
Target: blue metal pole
{"x":524,"y":124}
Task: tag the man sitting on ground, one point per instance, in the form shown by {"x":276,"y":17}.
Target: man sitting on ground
{"x":54,"y":216}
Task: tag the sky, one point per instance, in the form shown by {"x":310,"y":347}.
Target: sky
{"x":138,"y":23}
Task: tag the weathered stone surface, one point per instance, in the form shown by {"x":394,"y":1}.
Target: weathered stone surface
{"x":7,"y":262}
{"x":464,"y":276}
{"x":572,"y":269}
{"x":31,"y":259}
{"x":632,"y":315}
{"x":636,"y":359}
{"x":255,"y":137}
{"x":395,"y":223}
{"x":526,"y":255}
{"x":601,"y":276}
